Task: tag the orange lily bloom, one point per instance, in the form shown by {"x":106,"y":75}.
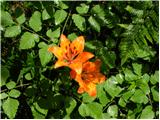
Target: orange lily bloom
{"x":71,"y":53}
{"x":89,"y":77}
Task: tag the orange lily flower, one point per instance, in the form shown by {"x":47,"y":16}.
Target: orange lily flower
{"x":71,"y":53}
{"x":89,"y":77}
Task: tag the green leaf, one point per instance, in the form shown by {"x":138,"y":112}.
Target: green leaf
{"x":14,"y":93}
{"x":79,"y":21}
{"x":98,"y":11}
{"x":35,"y":21}
{"x":10,"y":107}
{"x":94,"y":24}
{"x":87,"y":98}
{"x":89,"y":110}
{"x":63,"y":5}
{"x":12,"y":31}
{"x":28,"y":76}
{"x":45,"y":15}
{"x":21,"y":19}
{"x":155,"y":93}
{"x":111,"y":87}
{"x":120,"y":78}
{"x":42,"y":45}
{"x":83,"y":9}
{"x":113,"y":111}
{"x":147,"y":113}
{"x":139,"y":97}
{"x":70,"y":105}
{"x":129,"y":75}
{"x":122,"y":102}
{"x":53,"y":34}
{"x":44,"y":56}
{"x":72,"y":36}
{"x":137,"y":68}
{"x":4,"y":75}
{"x":3,"y":95}
{"x":6,"y":19}
{"x":60,"y":16}
{"x":105,"y":116}
{"x":154,"y":78}
{"x":38,"y":112}
{"x":11,"y":85}
{"x":28,"y":40}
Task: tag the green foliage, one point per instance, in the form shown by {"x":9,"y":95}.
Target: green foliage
{"x":123,"y":35}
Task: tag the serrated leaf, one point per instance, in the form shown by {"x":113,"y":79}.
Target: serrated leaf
{"x":129,"y":75}
{"x":21,"y":19}
{"x":44,"y":56}
{"x":139,"y":97}
{"x":154,"y":78}
{"x":94,"y":24}
{"x":82,"y":9}
{"x":10,"y":107}
{"x":42,"y":45}
{"x":70,"y":105}
{"x":63,"y":5}
{"x":12,"y":31}
{"x":137,"y":68}
{"x":87,"y":99}
{"x":113,"y":111}
{"x":147,"y":113}
{"x":28,"y":40}
{"x":4,"y":75}
{"x":72,"y":36}
{"x":45,"y":15}
{"x":60,"y":16}
{"x":89,"y":110}
{"x":122,"y":102}
{"x":28,"y":76}
{"x":53,"y":34}
{"x":79,"y":21}
{"x":11,"y":85}
{"x":14,"y":93}
{"x":3,"y":95}
{"x":155,"y":93}
{"x":6,"y":19}
{"x":35,"y":21}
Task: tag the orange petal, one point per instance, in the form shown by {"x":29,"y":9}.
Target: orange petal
{"x":64,"y":41}
{"x":57,"y":51}
{"x":98,"y":64}
{"x":60,"y":63}
{"x":91,"y":89}
{"x":76,"y":66}
{"x":83,"y":57}
{"x":80,"y":90}
{"x":72,"y":74}
{"x":78,"y":44}
{"x":89,"y":67}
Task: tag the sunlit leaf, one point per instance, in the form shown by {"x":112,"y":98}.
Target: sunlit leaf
{"x":60,"y":16}
{"x":113,"y":111}
{"x":94,"y":24}
{"x":12,"y":31}
{"x":14,"y":93}
{"x":147,"y":113}
{"x":82,"y":9}
{"x":11,"y":85}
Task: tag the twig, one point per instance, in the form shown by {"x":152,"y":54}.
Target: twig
{"x":17,"y":87}
{"x":35,"y":33}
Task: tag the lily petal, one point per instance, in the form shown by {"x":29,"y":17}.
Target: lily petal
{"x":92,"y":89}
{"x":64,"y":41}
{"x":57,"y":51}
{"x":78,"y":44}
{"x":76,"y":66}
{"x":83,"y":57}
{"x":60,"y":63}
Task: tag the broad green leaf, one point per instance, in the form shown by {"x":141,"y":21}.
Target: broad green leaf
{"x":82,"y":9}
{"x":105,"y":116}
{"x":10,"y":107}
{"x":139,"y":97}
{"x":21,"y":19}
{"x":113,"y":111}
{"x":12,"y":31}
{"x":155,"y":94}
{"x":102,"y":95}
{"x":44,"y":56}
{"x":89,"y":110}
{"x":127,"y":95}
{"x":154,"y":78}
{"x":28,"y":40}
{"x":3,"y":95}
{"x":53,"y":34}
{"x":70,"y":105}
{"x":111,"y":87}
{"x":72,"y":36}
{"x":63,"y":5}
{"x":94,"y":24}
{"x":133,"y":11}
{"x":120,"y":78}
{"x":129,"y":75}
{"x":42,"y":45}
{"x":122,"y":102}
{"x":28,"y":76}
{"x":60,"y":16}
{"x":4,"y":75}
{"x":35,"y":21}
{"x":137,"y":68}
{"x":98,"y":11}
{"x":79,"y":21}
{"x":90,"y":45}
{"x":6,"y":19}
{"x":45,"y":15}
{"x":14,"y":93}
{"x":141,"y":83}
{"x":11,"y":85}
{"x":147,"y":113}
{"x":38,"y":112}
{"x":87,"y":98}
